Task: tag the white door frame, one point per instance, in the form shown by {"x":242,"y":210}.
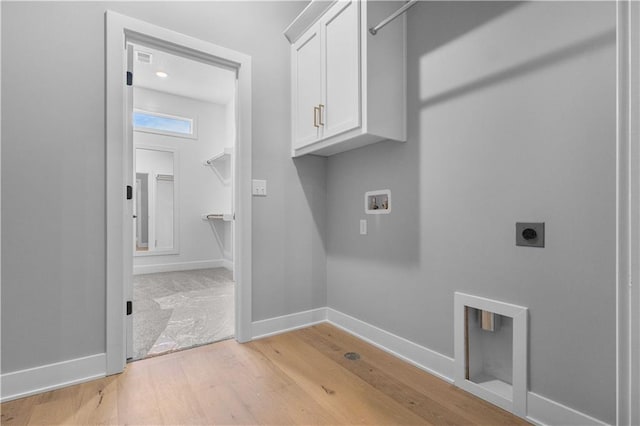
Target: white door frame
{"x":628,"y":214}
{"x":120,"y":29}
{"x":634,"y":142}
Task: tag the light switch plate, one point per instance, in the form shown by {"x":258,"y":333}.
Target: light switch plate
{"x":259,"y":187}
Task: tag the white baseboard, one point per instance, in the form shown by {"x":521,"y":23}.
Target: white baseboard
{"x":36,"y":380}
{"x":278,"y":325}
{"x":227,"y":264}
{"x":178,"y":266}
{"x":433,"y":362}
{"x":543,"y":411}
{"x":540,"y":410}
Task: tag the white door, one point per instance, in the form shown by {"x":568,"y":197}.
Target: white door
{"x":340,"y":45}
{"x":306,"y":90}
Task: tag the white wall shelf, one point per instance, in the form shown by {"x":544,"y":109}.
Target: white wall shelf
{"x":219,"y":224}
{"x":221,"y":165}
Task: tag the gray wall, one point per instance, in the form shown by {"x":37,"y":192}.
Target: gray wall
{"x":511,"y":117}
{"x":53,"y":170}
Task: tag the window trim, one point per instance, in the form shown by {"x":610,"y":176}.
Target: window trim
{"x":192,"y":135}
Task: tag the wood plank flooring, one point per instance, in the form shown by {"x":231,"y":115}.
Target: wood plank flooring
{"x":298,"y":378}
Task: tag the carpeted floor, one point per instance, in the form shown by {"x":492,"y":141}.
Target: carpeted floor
{"x":177,"y":310}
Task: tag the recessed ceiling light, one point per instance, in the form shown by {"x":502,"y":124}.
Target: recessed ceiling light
{"x":162,"y":74}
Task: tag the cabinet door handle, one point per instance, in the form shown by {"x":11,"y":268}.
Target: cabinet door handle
{"x":320,"y":109}
{"x":316,"y":110}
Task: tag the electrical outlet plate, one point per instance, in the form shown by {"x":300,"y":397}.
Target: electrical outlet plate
{"x":538,"y":227}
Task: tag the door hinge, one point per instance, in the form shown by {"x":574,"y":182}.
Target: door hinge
{"x":129,"y":307}
{"x":129,"y":192}
{"x":129,"y":78}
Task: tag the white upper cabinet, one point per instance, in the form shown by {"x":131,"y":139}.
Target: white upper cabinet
{"x":341,"y":53}
{"x":348,"y":87}
{"x":308,"y":88}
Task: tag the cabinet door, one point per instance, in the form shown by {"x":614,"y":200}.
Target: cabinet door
{"x":306,"y":89}
{"x":341,"y":48}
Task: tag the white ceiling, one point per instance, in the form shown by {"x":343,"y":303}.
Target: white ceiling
{"x":186,"y":77}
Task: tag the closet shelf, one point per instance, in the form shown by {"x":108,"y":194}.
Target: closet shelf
{"x":223,"y":156}
{"x":221,"y":165}
{"x":227,"y":217}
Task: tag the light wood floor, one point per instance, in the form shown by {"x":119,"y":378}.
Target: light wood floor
{"x":301,"y":377}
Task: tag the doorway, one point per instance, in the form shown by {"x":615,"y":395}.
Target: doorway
{"x":122,"y":34}
{"x":183,"y":137}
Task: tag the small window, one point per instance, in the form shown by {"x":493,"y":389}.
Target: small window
{"x":164,"y":124}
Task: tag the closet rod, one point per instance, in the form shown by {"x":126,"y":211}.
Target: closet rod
{"x":374,"y":30}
